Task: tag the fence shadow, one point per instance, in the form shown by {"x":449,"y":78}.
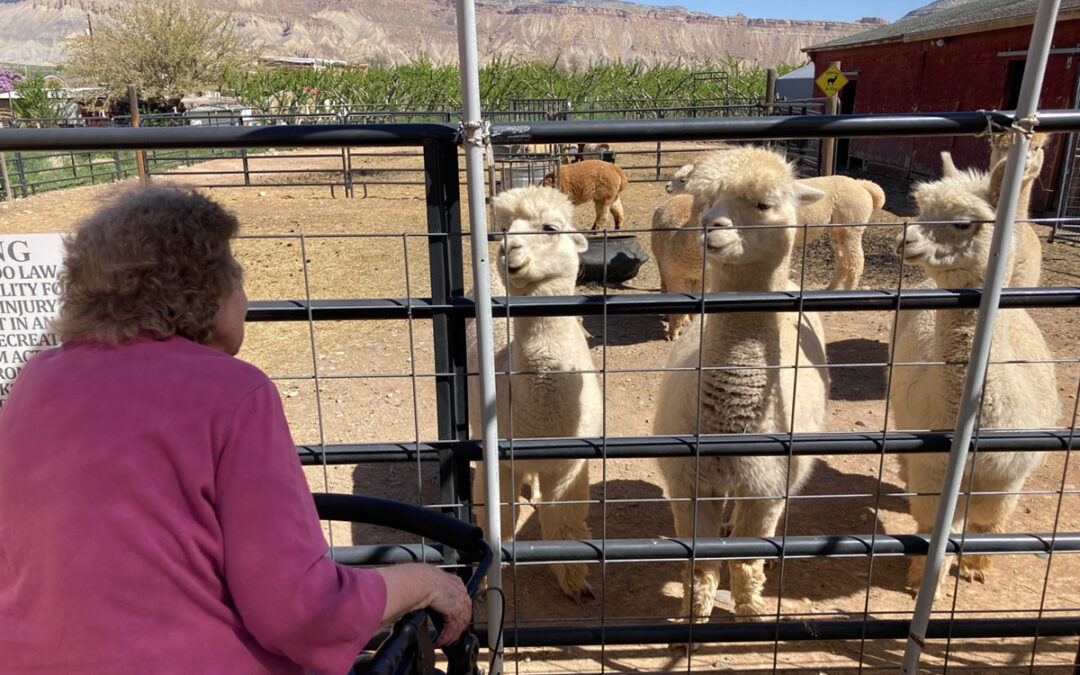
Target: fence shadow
{"x":857,"y":382}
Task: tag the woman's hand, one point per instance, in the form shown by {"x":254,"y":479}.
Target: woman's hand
{"x":450,"y":599}
{"x":416,"y":586}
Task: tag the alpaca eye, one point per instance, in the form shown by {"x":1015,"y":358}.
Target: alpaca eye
{"x":549,"y":228}
{"x":762,"y":206}
{"x":962,"y":226}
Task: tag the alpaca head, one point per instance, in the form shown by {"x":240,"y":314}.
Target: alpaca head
{"x":953,"y":231}
{"x":677,"y":184}
{"x":539,"y":253}
{"x":747,"y":193}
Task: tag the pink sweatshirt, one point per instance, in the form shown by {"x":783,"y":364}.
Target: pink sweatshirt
{"x":154,"y":519}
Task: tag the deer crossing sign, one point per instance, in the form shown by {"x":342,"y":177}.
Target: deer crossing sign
{"x":831,"y":81}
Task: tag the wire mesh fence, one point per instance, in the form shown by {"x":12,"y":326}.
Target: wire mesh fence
{"x":361,"y":312}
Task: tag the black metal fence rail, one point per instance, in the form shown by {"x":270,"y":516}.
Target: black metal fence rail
{"x":706,"y":445}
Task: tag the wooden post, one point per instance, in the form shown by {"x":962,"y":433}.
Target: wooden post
{"x":828,"y":149}
{"x":4,"y":178}
{"x":770,"y":90}
{"x":140,"y":155}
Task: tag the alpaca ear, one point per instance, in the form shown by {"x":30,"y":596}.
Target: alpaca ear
{"x":804,"y":194}
{"x":580,"y":242}
{"x":947,"y":166}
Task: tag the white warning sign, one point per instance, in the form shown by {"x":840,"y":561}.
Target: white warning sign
{"x":29,"y":299}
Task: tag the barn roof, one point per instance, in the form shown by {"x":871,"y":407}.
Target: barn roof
{"x":968,"y":17}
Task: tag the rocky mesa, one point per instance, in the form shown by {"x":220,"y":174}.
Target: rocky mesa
{"x":396,"y":31}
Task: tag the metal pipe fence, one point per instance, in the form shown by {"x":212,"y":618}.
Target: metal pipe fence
{"x":445,"y":313}
{"x":31,"y":173}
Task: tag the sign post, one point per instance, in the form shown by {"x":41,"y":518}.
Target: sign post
{"x":830,"y":82}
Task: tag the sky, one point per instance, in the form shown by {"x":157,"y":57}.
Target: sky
{"x":830,"y":10}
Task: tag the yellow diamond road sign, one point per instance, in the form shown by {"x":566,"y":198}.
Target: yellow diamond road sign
{"x":831,"y":81}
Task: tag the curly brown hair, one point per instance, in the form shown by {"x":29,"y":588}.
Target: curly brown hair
{"x":154,"y":259}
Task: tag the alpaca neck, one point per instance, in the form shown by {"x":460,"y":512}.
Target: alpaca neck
{"x":740,"y":399}
{"x":954,"y":333}
{"x":540,"y":342}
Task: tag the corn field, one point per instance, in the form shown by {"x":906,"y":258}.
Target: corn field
{"x":422,"y":84}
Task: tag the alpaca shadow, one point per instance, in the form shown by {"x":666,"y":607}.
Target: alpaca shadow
{"x":834,"y":502}
{"x":862,"y":377}
{"x":620,"y":509}
{"x":399,"y":482}
{"x":623,"y":330}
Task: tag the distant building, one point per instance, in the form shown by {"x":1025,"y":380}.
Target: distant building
{"x":798,"y":84}
{"x":304,"y":63}
{"x":967,"y":57}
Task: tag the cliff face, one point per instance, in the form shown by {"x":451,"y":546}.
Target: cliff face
{"x":31,"y":30}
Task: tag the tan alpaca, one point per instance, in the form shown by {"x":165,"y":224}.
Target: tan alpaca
{"x":592,"y":181}
{"x":1027,"y":267}
{"x":746,"y":188}
{"x":557,"y":393}
{"x":847,"y":202}
{"x":1016,"y":395}
{"x":677,"y":249}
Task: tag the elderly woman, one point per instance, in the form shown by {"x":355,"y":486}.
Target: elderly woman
{"x":153,"y":514}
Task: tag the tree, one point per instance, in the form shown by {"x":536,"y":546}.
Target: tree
{"x":166,"y":49}
{"x":38,"y":98}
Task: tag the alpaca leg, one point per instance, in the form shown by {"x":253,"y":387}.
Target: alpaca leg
{"x":924,"y":510}
{"x":846,"y":244}
{"x":752,"y":518}
{"x":977,"y":567}
{"x":701,"y":579}
{"x":617,"y":212}
{"x":602,"y":207}
{"x":840,"y":258}
{"x":567,"y":521}
{"x":508,"y":491}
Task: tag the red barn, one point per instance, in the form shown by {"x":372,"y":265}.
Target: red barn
{"x":969,"y":56}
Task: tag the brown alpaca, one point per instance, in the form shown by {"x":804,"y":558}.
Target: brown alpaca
{"x":591,"y":181}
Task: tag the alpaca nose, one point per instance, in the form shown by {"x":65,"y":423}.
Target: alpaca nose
{"x":719,"y":221}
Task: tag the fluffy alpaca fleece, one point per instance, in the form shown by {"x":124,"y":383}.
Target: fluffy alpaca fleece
{"x":747,"y":188}
{"x":1016,"y":395}
{"x":557,"y":393}
{"x":592,"y":181}
{"x":847,"y":202}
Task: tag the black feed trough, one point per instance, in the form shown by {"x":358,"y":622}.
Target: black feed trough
{"x":620,"y":255}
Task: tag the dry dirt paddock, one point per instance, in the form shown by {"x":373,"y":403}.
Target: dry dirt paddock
{"x":375,"y":384}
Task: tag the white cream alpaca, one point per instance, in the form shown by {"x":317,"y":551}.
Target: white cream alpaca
{"x":1016,"y":395}
{"x":747,"y":188}
{"x":557,"y":393}
{"x":678,"y":252}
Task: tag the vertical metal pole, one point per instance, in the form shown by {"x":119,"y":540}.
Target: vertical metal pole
{"x":447,"y":283}
{"x":244,"y":162}
{"x":21,"y":171}
{"x":828,"y":149}
{"x":140,"y":155}
{"x":4,"y":178}
{"x":770,"y":90}
{"x":474,"y":167}
{"x":975,"y":377}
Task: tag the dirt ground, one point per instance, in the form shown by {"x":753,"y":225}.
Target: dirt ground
{"x":375,"y":383}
